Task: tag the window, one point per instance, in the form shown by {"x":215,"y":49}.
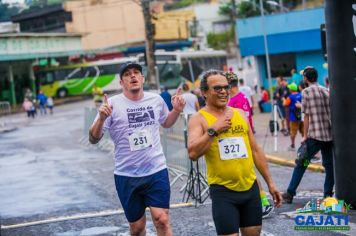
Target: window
{"x":282,"y":64}
{"x":166,"y":58}
{"x":221,"y":27}
{"x":46,"y":77}
{"x":89,"y":72}
{"x":109,"y":69}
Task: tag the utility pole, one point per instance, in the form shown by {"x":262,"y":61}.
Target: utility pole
{"x":340,"y":25}
{"x":236,"y":39}
{"x":149,"y":44}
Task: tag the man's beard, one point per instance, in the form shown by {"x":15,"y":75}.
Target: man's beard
{"x":136,"y":90}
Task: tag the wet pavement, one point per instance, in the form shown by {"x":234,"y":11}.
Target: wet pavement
{"x":46,"y":176}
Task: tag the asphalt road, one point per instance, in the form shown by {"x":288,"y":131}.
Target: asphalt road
{"x":47,"y":176}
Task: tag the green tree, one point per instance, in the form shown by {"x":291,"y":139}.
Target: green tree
{"x":34,"y":5}
{"x":221,"y":41}
{"x":6,"y":11}
{"x":244,"y":9}
{"x":183,"y":3}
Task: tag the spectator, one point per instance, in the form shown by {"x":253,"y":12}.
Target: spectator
{"x":28,"y":106}
{"x":296,"y":78}
{"x":50,"y":105}
{"x":248,"y":93}
{"x":295,"y":113}
{"x":264,"y":98}
{"x":280,"y":94}
{"x":42,"y":100}
{"x":29,"y":94}
{"x":238,"y":98}
{"x":192,"y":104}
{"x":201,"y":99}
{"x":97,"y":95}
{"x":317,"y":134}
{"x":167,"y":97}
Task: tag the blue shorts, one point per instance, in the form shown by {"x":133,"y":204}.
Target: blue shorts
{"x":137,"y":193}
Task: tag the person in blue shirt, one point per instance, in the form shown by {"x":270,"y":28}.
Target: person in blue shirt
{"x":296,"y":78}
{"x":167,"y":98}
{"x":42,"y":100}
{"x":293,"y":101}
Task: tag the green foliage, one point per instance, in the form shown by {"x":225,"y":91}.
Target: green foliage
{"x":183,"y":3}
{"x":244,"y":9}
{"x":226,"y":9}
{"x":220,"y":41}
{"x":34,"y":5}
{"x":6,"y":11}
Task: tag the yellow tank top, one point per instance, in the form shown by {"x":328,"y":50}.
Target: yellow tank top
{"x":234,"y":172}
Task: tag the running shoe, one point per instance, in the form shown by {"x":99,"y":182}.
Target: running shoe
{"x":266,"y":211}
{"x":315,"y":160}
{"x":287,"y":197}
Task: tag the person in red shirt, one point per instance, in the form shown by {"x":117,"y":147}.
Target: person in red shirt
{"x":264,"y":99}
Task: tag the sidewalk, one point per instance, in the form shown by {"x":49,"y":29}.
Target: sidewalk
{"x":265,"y":139}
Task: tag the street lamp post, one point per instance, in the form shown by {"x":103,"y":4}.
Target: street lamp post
{"x":269,"y":73}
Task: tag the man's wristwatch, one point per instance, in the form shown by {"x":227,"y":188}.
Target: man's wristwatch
{"x":212,"y":132}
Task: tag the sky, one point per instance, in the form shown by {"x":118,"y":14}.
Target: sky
{"x":13,"y":1}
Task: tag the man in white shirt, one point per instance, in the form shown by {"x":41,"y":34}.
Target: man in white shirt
{"x":191,"y":101}
{"x":133,"y":119}
{"x":247,"y":91}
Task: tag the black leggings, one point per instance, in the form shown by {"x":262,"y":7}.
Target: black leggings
{"x":232,"y":210}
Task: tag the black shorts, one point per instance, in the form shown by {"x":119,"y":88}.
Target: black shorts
{"x":232,"y":210}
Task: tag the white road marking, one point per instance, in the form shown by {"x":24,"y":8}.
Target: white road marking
{"x":81,"y":216}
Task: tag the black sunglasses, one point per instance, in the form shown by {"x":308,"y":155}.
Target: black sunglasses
{"x":219,"y":88}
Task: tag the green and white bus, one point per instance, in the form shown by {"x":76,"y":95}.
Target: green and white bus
{"x":171,"y":63}
{"x":77,"y":79}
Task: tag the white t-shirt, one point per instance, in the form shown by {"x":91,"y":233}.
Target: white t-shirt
{"x":190,"y":100}
{"x":248,"y":93}
{"x":134,"y":129}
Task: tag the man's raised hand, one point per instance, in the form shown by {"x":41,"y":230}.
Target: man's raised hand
{"x":178,"y":101}
{"x":105,"y":109}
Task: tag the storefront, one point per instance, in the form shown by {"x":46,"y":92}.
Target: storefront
{"x":18,"y":53}
{"x":293,"y":39}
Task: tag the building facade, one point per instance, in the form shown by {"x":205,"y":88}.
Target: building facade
{"x":19,"y":52}
{"x":293,"y":40}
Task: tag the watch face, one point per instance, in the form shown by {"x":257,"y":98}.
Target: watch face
{"x":212,"y":132}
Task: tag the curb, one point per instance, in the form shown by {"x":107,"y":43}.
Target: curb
{"x":290,"y":163}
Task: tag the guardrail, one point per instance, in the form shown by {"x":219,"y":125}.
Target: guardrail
{"x":5,"y":108}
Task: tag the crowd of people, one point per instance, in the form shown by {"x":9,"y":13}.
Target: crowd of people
{"x":221,"y":130}
{"x":40,"y":102}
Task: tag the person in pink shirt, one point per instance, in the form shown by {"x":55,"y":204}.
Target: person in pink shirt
{"x":28,"y":106}
{"x":238,"y":99}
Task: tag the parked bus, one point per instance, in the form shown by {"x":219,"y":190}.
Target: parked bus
{"x":76,"y":79}
{"x":173,"y":67}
